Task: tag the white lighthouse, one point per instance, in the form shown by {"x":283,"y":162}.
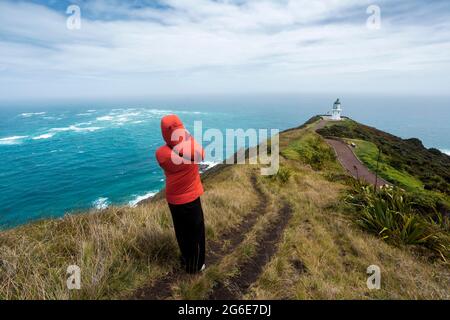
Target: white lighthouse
{"x":336,"y":112}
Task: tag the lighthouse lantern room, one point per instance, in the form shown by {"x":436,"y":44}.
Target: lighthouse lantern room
{"x":336,"y":112}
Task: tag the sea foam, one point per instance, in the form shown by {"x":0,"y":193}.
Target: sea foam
{"x":105,"y":118}
{"x":30,"y":114}
{"x":101,"y":203}
{"x":207,"y":165}
{"x":75,"y":128}
{"x":133,"y":203}
{"x":43,"y":136}
{"x":12,"y":140}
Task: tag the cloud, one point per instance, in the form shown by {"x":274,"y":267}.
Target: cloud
{"x":180,"y":46}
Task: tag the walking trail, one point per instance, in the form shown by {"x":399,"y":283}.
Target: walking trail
{"x":350,"y":161}
{"x":249,"y":271}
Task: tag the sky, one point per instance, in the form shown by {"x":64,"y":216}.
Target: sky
{"x":143,"y":48}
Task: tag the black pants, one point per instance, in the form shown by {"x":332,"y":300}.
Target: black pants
{"x":190,"y":232}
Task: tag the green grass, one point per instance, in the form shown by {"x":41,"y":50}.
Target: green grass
{"x":312,"y":150}
{"x":367,"y":152}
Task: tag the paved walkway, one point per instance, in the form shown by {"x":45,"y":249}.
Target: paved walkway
{"x":350,"y":161}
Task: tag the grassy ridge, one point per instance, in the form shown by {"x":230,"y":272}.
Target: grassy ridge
{"x":409,"y":156}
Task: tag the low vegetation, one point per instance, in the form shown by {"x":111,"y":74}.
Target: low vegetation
{"x":283,"y":175}
{"x":310,"y":149}
{"x":393,"y":215}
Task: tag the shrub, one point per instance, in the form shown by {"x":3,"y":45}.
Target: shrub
{"x":390,"y":214}
{"x":283,"y":175}
{"x":313,"y":151}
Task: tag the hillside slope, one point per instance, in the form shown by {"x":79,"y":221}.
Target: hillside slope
{"x":291,"y":236}
{"x":403,"y":158}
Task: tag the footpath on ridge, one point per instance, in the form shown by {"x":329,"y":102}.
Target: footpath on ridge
{"x":350,"y":161}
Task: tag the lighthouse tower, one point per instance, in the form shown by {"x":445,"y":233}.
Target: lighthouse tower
{"x":336,"y":112}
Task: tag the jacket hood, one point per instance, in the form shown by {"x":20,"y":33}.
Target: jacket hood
{"x":168,"y":125}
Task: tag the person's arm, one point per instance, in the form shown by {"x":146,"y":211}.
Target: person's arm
{"x":166,"y":162}
{"x":190,"y":150}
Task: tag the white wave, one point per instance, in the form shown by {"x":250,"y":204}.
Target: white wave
{"x":133,"y":203}
{"x":75,"y":128}
{"x":12,"y":140}
{"x":122,"y":117}
{"x":30,"y":114}
{"x":92,"y":110}
{"x":446,"y":151}
{"x":128,"y":115}
{"x":159,"y":111}
{"x":101,"y":203}
{"x":44,"y":136}
{"x":105,"y":118}
{"x":208,"y":164}
{"x":84,"y":114}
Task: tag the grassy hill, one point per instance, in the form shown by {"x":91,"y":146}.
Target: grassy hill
{"x":424,"y":173}
{"x":297,"y":235}
{"x":417,"y":166}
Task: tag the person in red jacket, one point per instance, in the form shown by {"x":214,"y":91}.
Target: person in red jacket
{"x":179,"y":159}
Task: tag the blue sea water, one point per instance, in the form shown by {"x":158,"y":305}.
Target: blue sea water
{"x":57,"y":159}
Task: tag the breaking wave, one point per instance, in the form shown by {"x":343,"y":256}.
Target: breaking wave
{"x":12,"y":140}
{"x":76,"y":128}
{"x":43,"y":136}
{"x":133,"y":203}
{"x":101,"y":203}
{"x":30,"y":114}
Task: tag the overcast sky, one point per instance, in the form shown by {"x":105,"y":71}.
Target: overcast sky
{"x":142,"y":48}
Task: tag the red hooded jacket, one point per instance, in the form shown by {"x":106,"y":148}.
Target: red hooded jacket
{"x":179,"y":159}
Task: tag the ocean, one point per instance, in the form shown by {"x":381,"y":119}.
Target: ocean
{"x":62,"y":158}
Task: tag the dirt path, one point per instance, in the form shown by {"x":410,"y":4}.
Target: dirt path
{"x":352,"y":164}
{"x":350,"y":161}
{"x":251,"y":270}
{"x":322,"y":123}
{"x":235,"y":237}
{"x":162,"y":288}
